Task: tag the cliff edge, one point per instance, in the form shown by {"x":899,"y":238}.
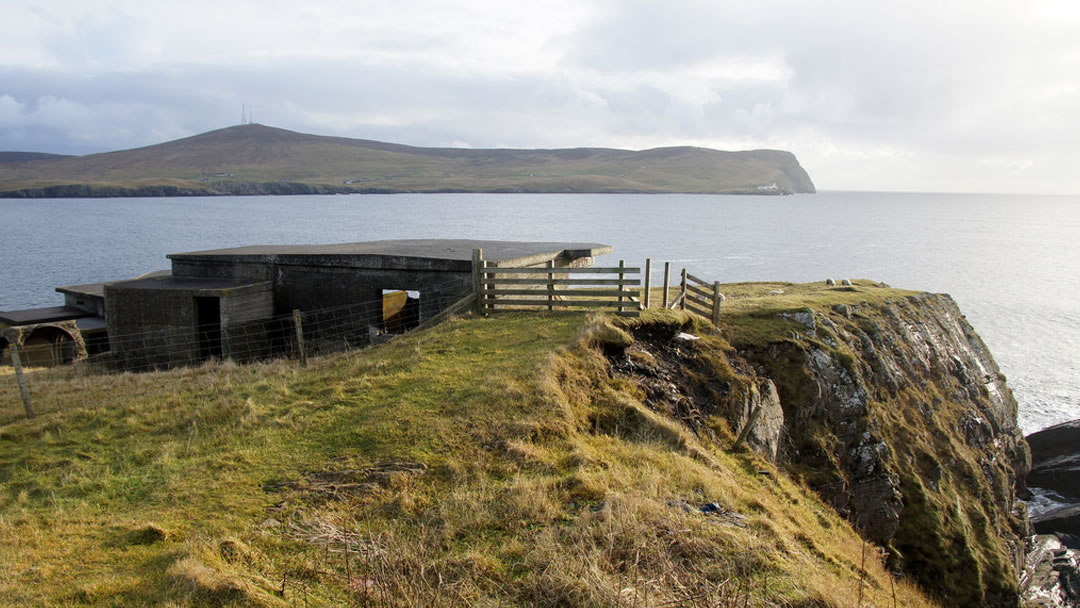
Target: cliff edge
{"x":884,"y":402}
{"x":824,"y":446}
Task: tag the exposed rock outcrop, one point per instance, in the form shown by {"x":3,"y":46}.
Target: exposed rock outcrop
{"x":897,"y":415}
{"x":1053,"y":574}
{"x":1055,"y":457}
{"x":892,"y":409}
{"x":1051,"y":578}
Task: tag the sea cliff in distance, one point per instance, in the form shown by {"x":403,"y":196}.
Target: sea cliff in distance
{"x":257,"y":159}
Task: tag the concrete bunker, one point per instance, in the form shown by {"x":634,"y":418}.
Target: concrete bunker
{"x":164,"y":321}
{"x":239,"y":303}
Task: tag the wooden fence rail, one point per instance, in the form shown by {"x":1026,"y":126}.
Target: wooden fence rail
{"x":607,"y":287}
{"x":698,"y":296}
{"x":611,"y":287}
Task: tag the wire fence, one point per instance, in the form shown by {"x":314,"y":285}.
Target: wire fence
{"x":297,"y":335}
{"x":302,"y":334}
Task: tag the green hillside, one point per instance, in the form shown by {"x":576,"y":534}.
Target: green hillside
{"x":488,"y":461}
{"x":256,"y":159}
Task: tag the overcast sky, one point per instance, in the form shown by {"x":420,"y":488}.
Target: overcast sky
{"x":940,"y":95}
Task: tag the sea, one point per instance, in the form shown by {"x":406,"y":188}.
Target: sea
{"x":1012,"y":262}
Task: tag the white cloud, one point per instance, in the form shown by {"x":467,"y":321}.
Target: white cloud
{"x":919,"y":95}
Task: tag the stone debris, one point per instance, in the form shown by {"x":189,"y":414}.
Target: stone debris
{"x":1051,"y":577}
{"x":802,"y":317}
{"x":712,"y":510}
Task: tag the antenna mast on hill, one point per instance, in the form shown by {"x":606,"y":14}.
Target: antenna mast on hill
{"x":245,"y":115}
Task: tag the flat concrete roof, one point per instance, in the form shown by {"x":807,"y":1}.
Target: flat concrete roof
{"x":184,"y":283}
{"x":503,"y":253}
{"x":97,"y":290}
{"x":50,"y":314}
{"x":94,"y":290}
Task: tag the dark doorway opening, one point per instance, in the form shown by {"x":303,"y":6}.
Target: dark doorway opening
{"x":401,"y":310}
{"x":4,"y":359}
{"x":208,"y":326}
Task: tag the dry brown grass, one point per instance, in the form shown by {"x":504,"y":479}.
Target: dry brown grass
{"x":525,"y":503}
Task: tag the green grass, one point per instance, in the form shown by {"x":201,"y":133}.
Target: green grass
{"x":202,"y":486}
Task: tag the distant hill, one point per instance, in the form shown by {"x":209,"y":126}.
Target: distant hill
{"x":256,"y":159}
{"x":21,"y":157}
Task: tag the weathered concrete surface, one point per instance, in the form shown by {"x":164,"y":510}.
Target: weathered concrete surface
{"x":312,"y":279}
{"x":49,"y":314}
{"x":153,"y":322}
{"x":406,"y":254}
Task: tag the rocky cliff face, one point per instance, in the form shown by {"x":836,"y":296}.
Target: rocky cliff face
{"x":891,"y":408}
{"x":898,"y":415}
{"x":1052,"y":575}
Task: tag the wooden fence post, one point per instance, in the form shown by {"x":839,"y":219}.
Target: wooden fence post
{"x":622,"y":275}
{"x":551,"y":285}
{"x":717,"y":298}
{"x":667,"y":281}
{"x":682,"y":290}
{"x":648,"y":284}
{"x":299,"y":336}
{"x":477,"y":279}
{"x":23,"y":389}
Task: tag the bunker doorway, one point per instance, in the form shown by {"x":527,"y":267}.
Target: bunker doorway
{"x":47,"y":347}
{"x":400,"y":310}
{"x":5,"y":359}
{"x":208,"y":326}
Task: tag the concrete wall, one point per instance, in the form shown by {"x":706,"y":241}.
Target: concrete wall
{"x":361,"y":291}
{"x":91,"y":304}
{"x":316,"y":283}
{"x":156,"y":327}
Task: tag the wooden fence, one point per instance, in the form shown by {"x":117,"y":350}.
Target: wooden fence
{"x":611,"y":287}
{"x":699,"y":296}
{"x":615,"y":287}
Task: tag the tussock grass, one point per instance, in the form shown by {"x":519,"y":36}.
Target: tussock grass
{"x":548,"y":483}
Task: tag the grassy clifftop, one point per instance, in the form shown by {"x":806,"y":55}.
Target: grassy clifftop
{"x":255,"y":159}
{"x":489,"y":461}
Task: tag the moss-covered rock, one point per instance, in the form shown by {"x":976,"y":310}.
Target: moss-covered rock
{"x":898,"y":416}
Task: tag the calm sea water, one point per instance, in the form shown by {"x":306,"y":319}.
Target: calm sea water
{"x":1011,"y":262}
